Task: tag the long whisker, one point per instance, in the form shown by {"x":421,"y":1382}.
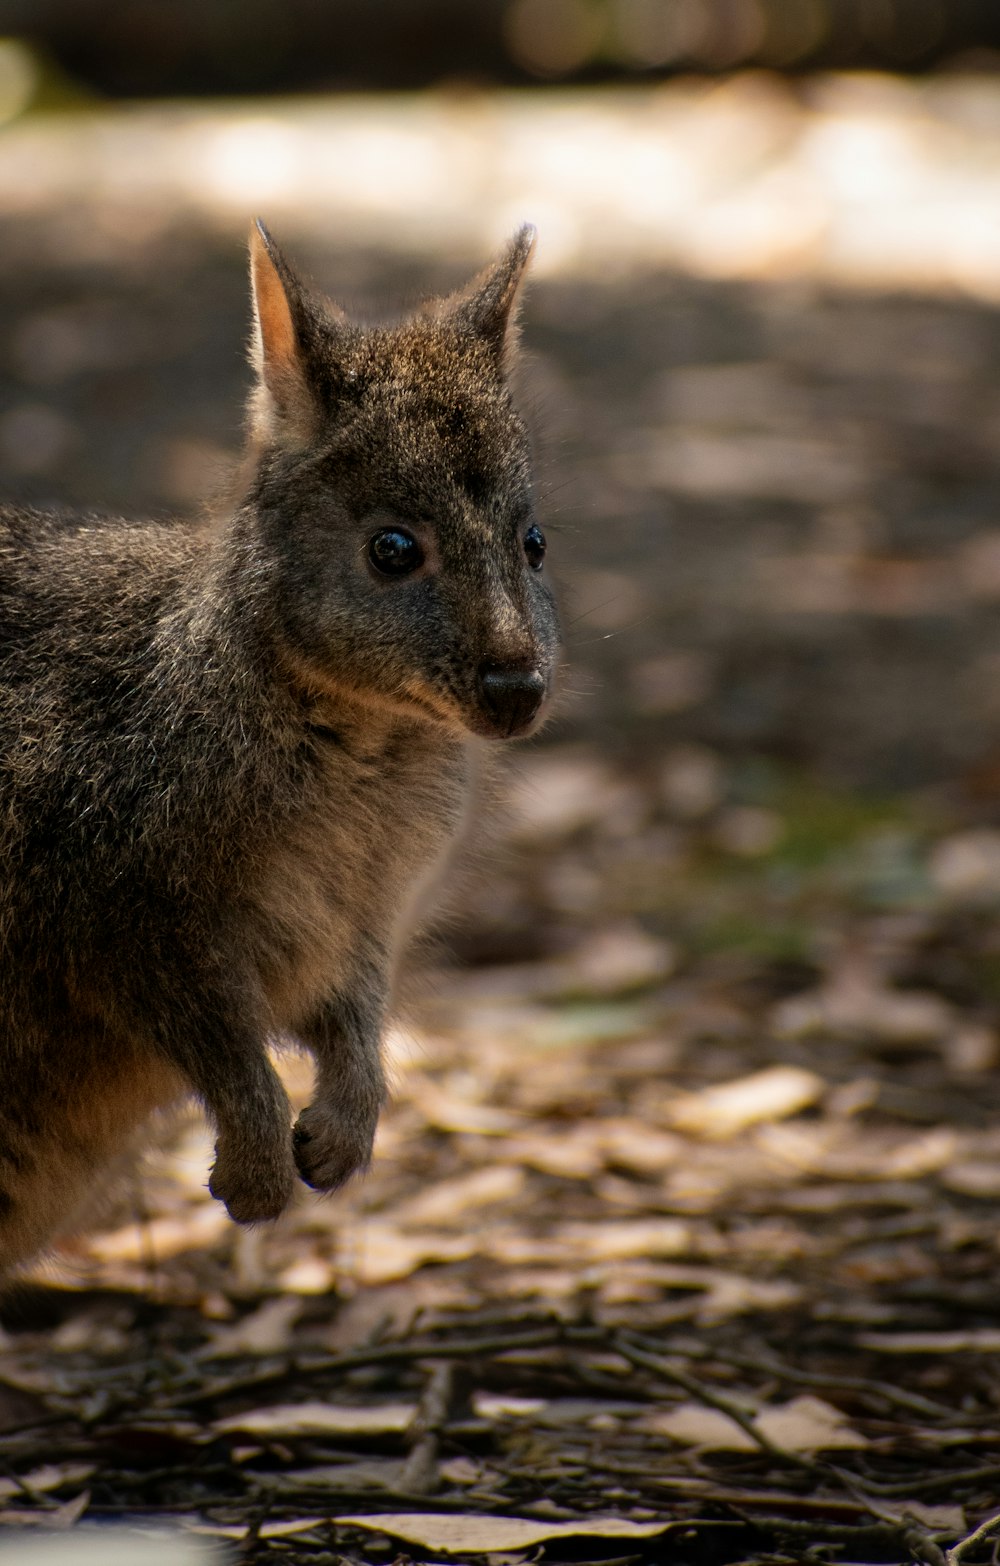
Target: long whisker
{"x":594,"y":609}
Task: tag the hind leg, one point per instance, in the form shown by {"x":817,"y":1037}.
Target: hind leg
{"x":59,"y":1134}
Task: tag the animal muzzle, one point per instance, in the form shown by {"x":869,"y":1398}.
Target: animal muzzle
{"x":510,"y":697}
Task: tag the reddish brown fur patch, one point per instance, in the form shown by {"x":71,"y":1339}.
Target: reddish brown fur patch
{"x":80,"y":1136}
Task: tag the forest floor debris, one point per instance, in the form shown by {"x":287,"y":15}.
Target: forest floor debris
{"x":655,"y":1255}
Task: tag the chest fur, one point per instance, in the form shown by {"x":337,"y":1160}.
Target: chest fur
{"x":346,"y":881}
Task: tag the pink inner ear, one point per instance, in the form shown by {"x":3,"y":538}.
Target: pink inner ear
{"x":279,"y":344}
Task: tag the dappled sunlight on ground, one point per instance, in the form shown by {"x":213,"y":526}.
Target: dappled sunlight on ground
{"x":861,"y":180}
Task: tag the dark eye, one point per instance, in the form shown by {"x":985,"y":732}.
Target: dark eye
{"x":534,"y":546}
{"x":394,"y":552}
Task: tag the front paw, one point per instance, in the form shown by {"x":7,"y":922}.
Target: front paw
{"x":332,"y":1142}
{"x":255,"y":1182}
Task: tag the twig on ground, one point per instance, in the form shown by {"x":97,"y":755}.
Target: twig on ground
{"x":989,"y":1528}
{"x":768,"y":1365}
{"x":420,"y":1471}
{"x":893,"y":1536}
{"x":385,"y":1354}
{"x":947,"y":1479}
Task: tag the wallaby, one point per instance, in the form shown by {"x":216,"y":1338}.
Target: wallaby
{"x":234,"y":752}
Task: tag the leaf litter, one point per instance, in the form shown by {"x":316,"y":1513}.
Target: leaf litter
{"x":684,"y":1214}
{"x":714,"y":1277}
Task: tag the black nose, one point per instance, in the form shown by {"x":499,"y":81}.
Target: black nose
{"x":511,"y":696}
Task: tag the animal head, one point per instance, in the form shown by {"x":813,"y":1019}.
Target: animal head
{"x":393,"y":496}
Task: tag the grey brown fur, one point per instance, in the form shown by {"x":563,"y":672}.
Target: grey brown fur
{"x":232,"y":754}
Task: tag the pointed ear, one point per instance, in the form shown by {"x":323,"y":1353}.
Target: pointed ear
{"x":282,"y":407}
{"x":487,"y":306}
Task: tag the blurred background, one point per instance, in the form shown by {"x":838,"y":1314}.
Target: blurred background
{"x":761,"y":347}
{"x":131,"y":48}
{"x":761,"y":334}
{"x":715,"y":1034}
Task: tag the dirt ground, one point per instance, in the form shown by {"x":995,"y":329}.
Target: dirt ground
{"x":680,"y":1241}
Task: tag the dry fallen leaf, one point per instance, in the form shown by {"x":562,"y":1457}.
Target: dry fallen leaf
{"x":717,"y":1293}
{"x":692,"y":1424}
{"x":308,"y":1274}
{"x":488,"y":1405}
{"x":287,"y":1419}
{"x":52,"y":1477}
{"x":386,"y":1254}
{"x":572,"y":1153}
{"x":54,"y":1519}
{"x":451,"y":1200}
{"x":375,"y":1473}
{"x":973,"y":1177}
{"x":468,"y":1533}
{"x":452,"y":1112}
{"x":806,"y":1424}
{"x":391,"y":1310}
{"x":845,"y":1152}
{"x":267,"y":1330}
{"x":268,"y":1530}
{"x":199,"y":1227}
{"x":619,"y":1238}
{"x":856,"y":1002}
{"x":965,"y":867}
{"x":583,"y":1149}
{"x":976,"y":1340}
{"x":942,"y":1519}
{"x":464,"y":1470}
{"x":772,"y":1094}
{"x":610,"y":962}
{"x":614,"y":960}
{"x":554,"y":1413}
{"x":633,"y":1145}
